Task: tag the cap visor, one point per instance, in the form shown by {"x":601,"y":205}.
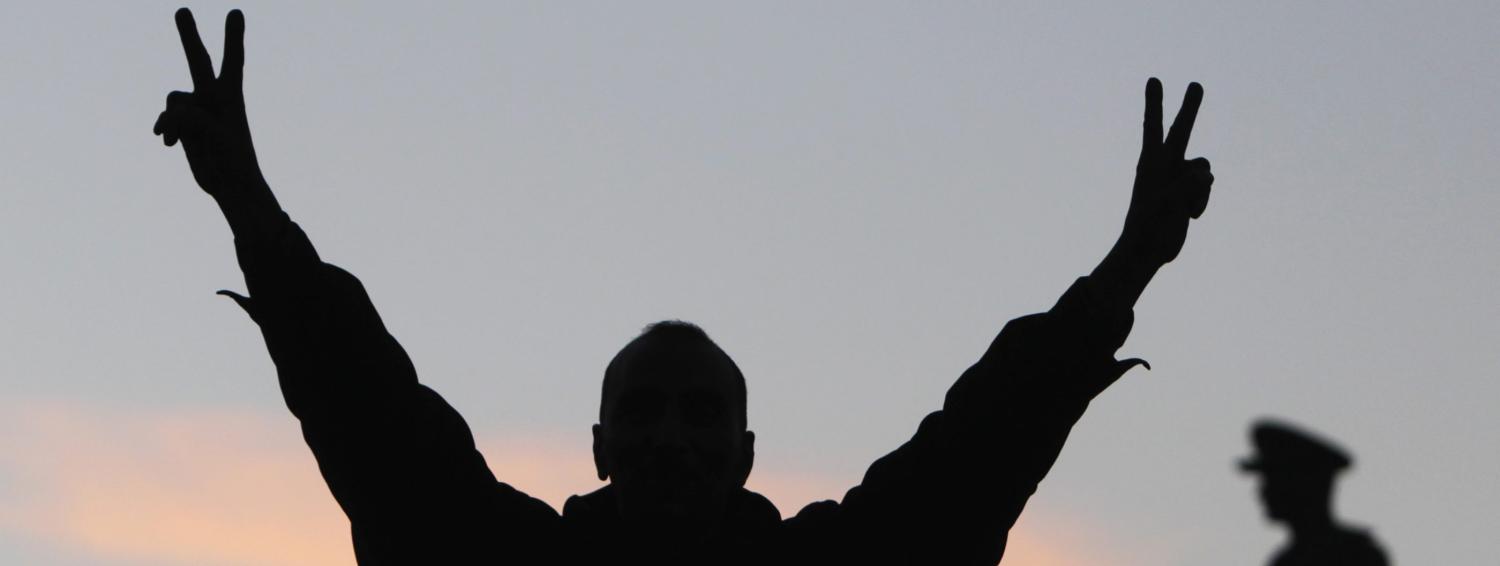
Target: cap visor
{"x":1251,"y":464}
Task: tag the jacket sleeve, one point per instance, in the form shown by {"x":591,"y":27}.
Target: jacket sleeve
{"x":950,"y":494}
{"x":400,"y":461}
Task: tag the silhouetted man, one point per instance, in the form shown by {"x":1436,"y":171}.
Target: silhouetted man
{"x":1297,"y":471}
{"x":672,"y":440}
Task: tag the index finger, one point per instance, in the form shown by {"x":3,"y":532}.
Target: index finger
{"x":1182,"y":127}
{"x":1151,"y":126}
{"x":199,"y":64}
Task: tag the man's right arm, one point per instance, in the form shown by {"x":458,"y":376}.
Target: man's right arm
{"x":399,"y":460}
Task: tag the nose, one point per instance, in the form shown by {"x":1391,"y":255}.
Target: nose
{"x":670,"y":434}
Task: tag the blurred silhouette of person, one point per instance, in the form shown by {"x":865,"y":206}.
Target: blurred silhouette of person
{"x":672,"y":439}
{"x":1297,"y":470}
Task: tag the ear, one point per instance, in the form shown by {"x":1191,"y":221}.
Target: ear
{"x":600,"y":465}
{"x":747,"y":456}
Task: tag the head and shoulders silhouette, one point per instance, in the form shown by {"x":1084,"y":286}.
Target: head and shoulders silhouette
{"x":1298,"y":470}
{"x":673,"y":442}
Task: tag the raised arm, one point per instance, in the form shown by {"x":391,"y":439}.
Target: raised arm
{"x":399,"y":460}
{"x":951,"y":493}
{"x":215,"y":134}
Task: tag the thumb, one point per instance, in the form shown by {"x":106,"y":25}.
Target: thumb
{"x":1118,"y":370}
{"x":242,"y":301}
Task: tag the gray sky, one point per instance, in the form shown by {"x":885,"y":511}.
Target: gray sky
{"x":851,"y":197}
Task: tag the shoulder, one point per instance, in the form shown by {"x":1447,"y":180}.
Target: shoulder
{"x":517,"y":507}
{"x":815,"y":512}
{"x":1361,"y":547}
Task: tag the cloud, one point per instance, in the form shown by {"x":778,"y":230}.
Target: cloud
{"x":189,"y":487}
{"x":233,"y":487}
{"x":1041,"y":538}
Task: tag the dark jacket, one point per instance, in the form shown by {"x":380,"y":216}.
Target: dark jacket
{"x":1343,"y":546}
{"x":402,"y":463}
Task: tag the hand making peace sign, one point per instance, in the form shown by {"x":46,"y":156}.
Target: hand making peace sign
{"x":210,"y":121}
{"x":1169,"y":189}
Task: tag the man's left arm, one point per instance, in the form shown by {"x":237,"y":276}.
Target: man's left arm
{"x":952,"y":492}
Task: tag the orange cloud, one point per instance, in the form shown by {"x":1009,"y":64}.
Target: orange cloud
{"x":219,"y":488}
{"x":1040,"y":539}
{"x":238,"y":488}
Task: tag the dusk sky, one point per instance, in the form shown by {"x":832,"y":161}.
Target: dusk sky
{"x":851,"y":197}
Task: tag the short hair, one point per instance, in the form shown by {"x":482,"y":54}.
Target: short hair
{"x":674,"y":329}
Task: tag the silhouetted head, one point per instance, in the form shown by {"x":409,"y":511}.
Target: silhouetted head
{"x":1297,"y":470}
{"x":672,"y":435}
